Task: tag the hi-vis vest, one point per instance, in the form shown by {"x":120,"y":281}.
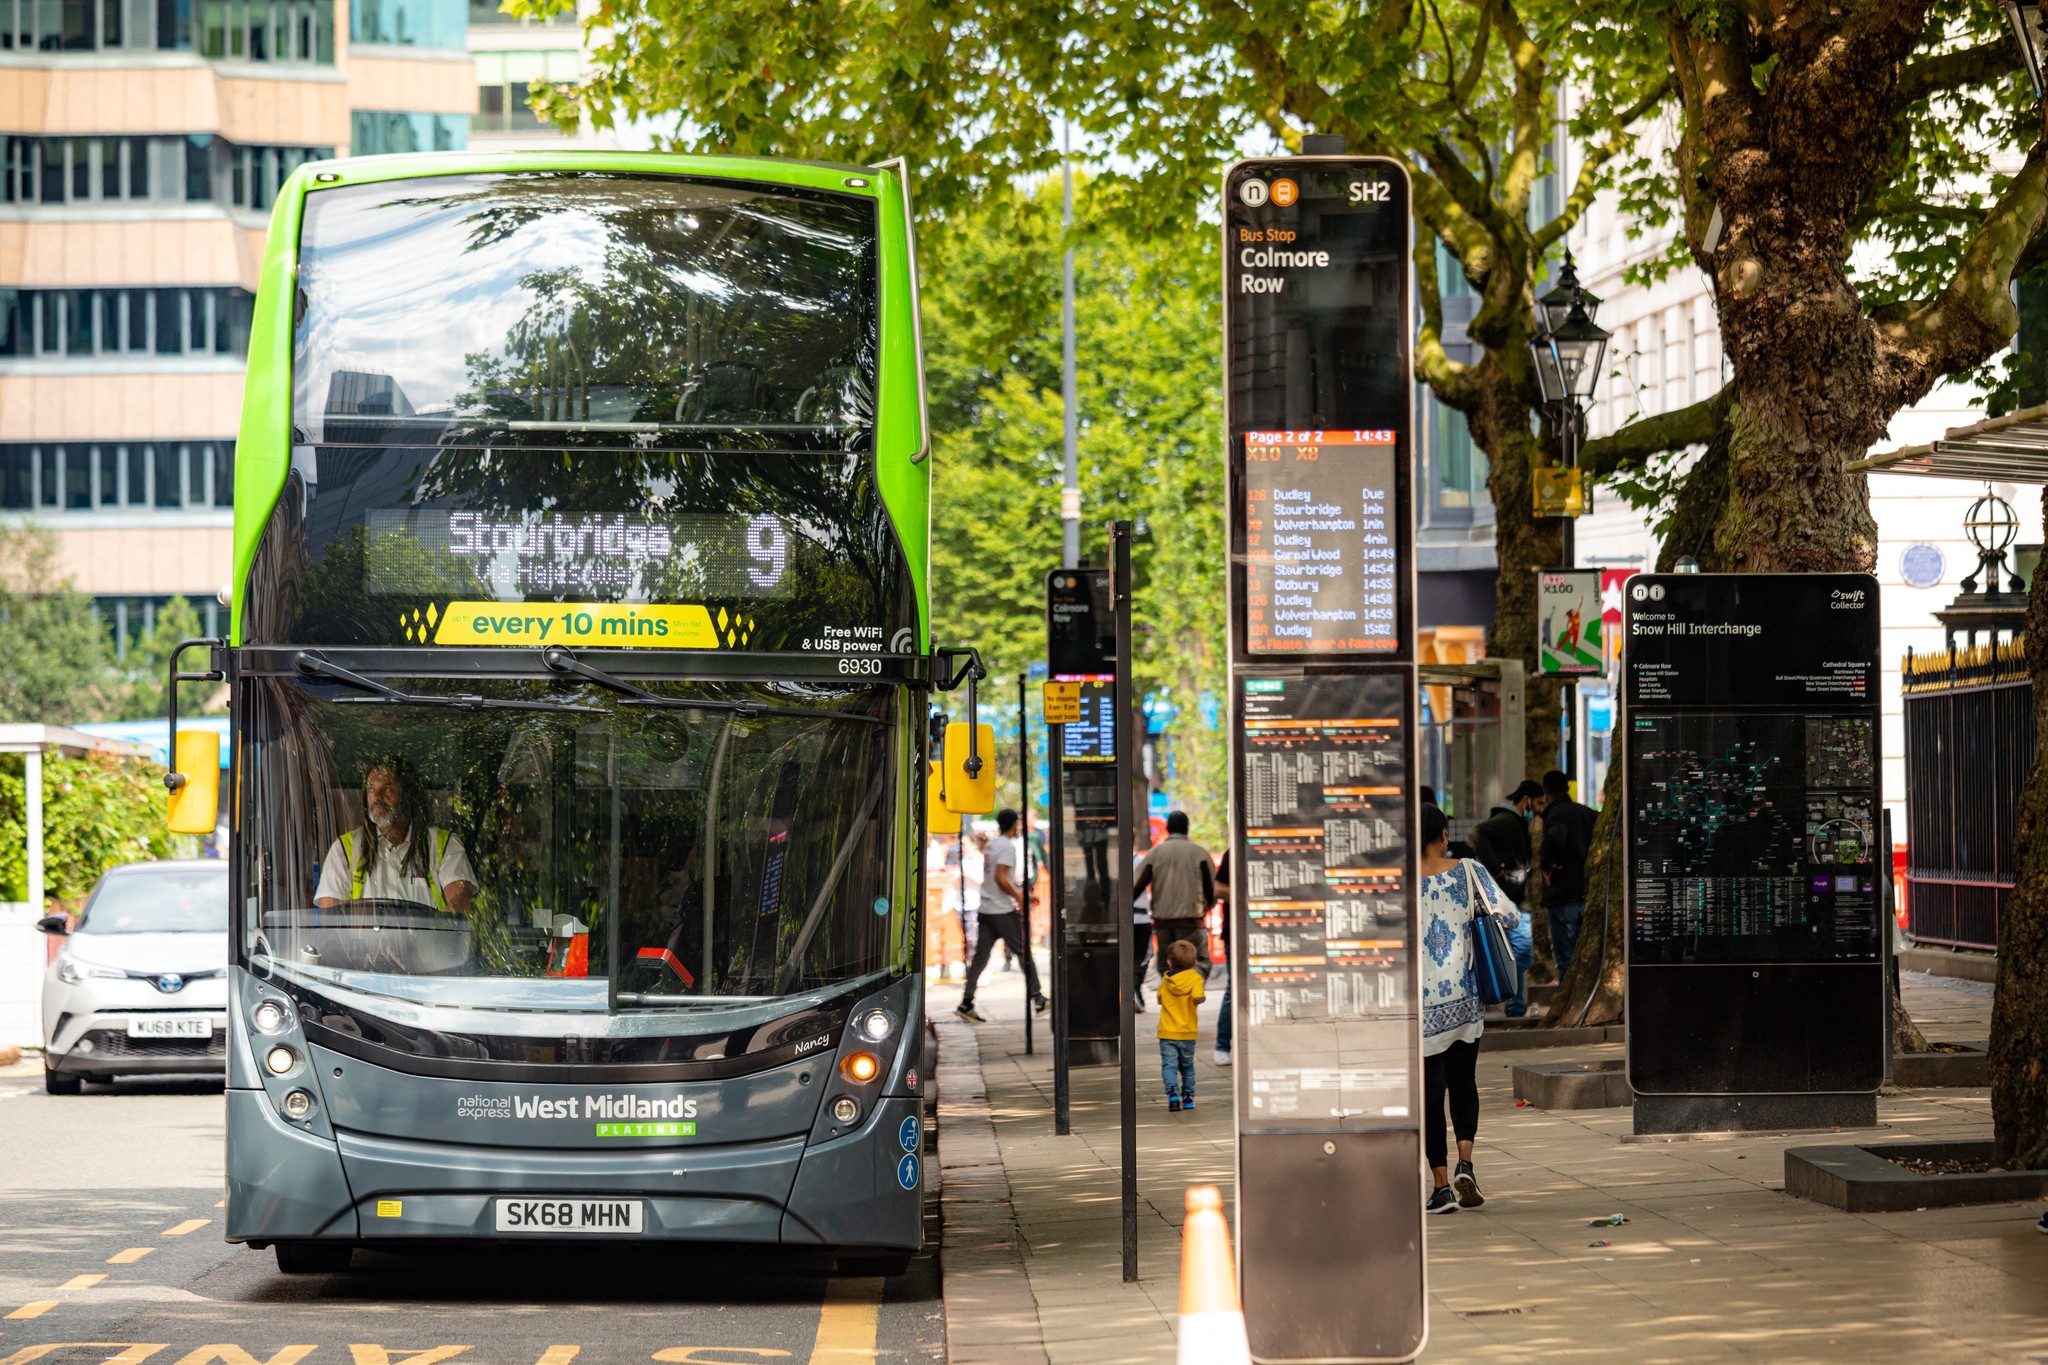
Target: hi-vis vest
{"x":359,"y":873}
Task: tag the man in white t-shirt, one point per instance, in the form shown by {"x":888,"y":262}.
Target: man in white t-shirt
{"x":382,"y":862}
{"x":1001,"y":895}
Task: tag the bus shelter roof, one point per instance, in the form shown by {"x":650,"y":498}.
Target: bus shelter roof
{"x":65,"y":742}
{"x":2008,"y":449}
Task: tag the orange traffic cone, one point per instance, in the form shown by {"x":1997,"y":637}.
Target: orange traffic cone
{"x":1211,"y":1319}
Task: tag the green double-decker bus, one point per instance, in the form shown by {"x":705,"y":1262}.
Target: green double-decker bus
{"x":579,"y":678}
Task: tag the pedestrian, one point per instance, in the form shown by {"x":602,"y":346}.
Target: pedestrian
{"x":1567,"y":839}
{"x":973,"y":867}
{"x":1000,"y":921}
{"x":1183,"y":886}
{"x":1180,"y":991}
{"x":1141,"y":938}
{"x":1224,"y":1025}
{"x":1502,"y":844}
{"x":1452,"y":1016}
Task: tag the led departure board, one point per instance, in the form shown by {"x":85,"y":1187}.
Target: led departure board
{"x":1320,"y":570}
{"x":1326,"y":944}
{"x":1092,"y":739}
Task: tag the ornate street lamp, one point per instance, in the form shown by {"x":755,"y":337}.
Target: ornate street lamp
{"x":2030,"y":25}
{"x":1568,"y":348}
{"x":1557,"y":304}
{"x":1991,"y":526}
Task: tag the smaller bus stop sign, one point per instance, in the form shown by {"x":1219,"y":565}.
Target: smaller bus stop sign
{"x":1080,"y":634}
{"x":1062,"y":703}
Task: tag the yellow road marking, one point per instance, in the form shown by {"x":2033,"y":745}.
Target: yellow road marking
{"x":846,"y":1323}
{"x":32,"y":1310}
{"x":133,"y":1353}
{"x":80,"y":1282}
{"x":671,"y":1355}
{"x":378,"y":1355}
{"x":130,"y":1256}
{"x":189,"y":1225}
{"x":558,"y":1355}
{"x":235,"y":1355}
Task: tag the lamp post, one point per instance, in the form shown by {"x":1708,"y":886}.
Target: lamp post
{"x":1568,"y":349}
{"x":2029,"y":20}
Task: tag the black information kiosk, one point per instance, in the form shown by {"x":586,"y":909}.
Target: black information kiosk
{"x":1080,"y":638}
{"x":1756,"y":976}
{"x":1318,"y":384}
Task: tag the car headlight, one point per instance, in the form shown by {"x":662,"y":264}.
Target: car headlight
{"x":71,"y":971}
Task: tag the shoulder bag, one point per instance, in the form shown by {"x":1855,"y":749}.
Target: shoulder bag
{"x":1493,"y":957}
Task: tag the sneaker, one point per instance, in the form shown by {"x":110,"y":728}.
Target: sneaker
{"x":1188,"y":1103}
{"x":1138,"y":1002}
{"x":1039,"y":1004}
{"x":1442,"y":1201}
{"x":969,"y":1013}
{"x":1173,"y":1104}
{"x":1223,"y":1056}
{"x":2042,"y":1226}
{"x":1467,"y":1186}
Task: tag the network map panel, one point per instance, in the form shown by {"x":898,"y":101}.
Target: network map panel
{"x":1754,"y":837}
{"x":1326,"y":920}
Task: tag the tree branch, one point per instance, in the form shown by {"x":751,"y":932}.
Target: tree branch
{"x":1526,"y":145}
{"x":1979,"y":65}
{"x":1628,"y":448}
{"x":1449,"y":379}
{"x":1587,"y":186}
{"x":1974,"y":314}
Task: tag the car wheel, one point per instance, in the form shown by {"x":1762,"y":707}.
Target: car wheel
{"x":59,"y":1083}
{"x":314,"y":1258}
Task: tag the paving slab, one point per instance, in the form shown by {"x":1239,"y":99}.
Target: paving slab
{"x":1715,"y":1263}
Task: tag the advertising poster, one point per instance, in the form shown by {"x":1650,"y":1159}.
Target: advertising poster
{"x":1569,"y":623}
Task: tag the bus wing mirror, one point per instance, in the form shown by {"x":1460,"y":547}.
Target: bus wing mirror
{"x":195,"y":801}
{"x":970,"y":779}
{"x":939,"y":818}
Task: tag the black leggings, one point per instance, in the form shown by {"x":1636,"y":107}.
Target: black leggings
{"x":1452,"y":1072}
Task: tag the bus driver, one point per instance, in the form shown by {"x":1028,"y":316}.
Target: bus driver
{"x":389,"y":864}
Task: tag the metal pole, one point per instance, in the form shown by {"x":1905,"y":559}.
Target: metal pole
{"x":1024,"y":836}
{"x":1568,"y":692}
{"x":1056,"y":820}
{"x":1070,"y":490}
{"x":32,"y":790}
{"x":1126,"y":746}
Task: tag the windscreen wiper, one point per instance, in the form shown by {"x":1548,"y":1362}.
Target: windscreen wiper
{"x":464,"y":701}
{"x":558,"y":658}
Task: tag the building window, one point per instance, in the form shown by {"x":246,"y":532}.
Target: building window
{"x":410,"y":23}
{"x":238,"y":30}
{"x":372,"y":132}
{"x":198,"y":168}
{"x":132,"y":620}
{"x":1459,"y":474}
{"x":82,"y":323}
{"x":488,"y":12}
{"x":136,"y":476}
{"x":505,"y":80}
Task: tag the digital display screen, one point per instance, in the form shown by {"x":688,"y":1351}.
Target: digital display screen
{"x":1092,"y":739}
{"x":413,"y":551}
{"x":1328,"y":932}
{"x":1080,"y":632}
{"x":1320,"y":561}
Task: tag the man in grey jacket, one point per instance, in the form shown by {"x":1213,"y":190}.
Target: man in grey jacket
{"x":1183,"y":885}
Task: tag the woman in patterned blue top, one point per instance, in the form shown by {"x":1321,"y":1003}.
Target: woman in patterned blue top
{"x":1452,"y":1015}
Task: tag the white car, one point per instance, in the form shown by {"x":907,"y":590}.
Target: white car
{"x":141,"y":986}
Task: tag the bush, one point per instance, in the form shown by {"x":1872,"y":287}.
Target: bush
{"x":98,"y":812}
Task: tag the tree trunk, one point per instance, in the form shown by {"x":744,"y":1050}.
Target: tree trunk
{"x":1522,"y":544}
{"x":2019,"y":1006}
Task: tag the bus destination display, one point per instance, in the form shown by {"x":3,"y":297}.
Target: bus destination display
{"x":1321,"y":575}
{"x":1326,"y":917}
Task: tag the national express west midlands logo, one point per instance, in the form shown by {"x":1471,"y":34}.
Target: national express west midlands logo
{"x":734,"y":630}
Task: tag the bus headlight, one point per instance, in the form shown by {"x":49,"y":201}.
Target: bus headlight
{"x":280,"y":1060}
{"x":298,"y":1104}
{"x":845,"y":1110}
{"x":861,"y":1067}
{"x":876,"y":1025}
{"x":271,"y":1016}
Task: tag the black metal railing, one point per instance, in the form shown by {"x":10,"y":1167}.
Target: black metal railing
{"x":1969,"y":721}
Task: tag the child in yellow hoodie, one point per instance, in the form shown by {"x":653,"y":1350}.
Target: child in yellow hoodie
{"x":1180,"y":991}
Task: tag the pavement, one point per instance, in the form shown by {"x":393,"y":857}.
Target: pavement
{"x":111,"y":1251}
{"x":1715,"y":1262}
